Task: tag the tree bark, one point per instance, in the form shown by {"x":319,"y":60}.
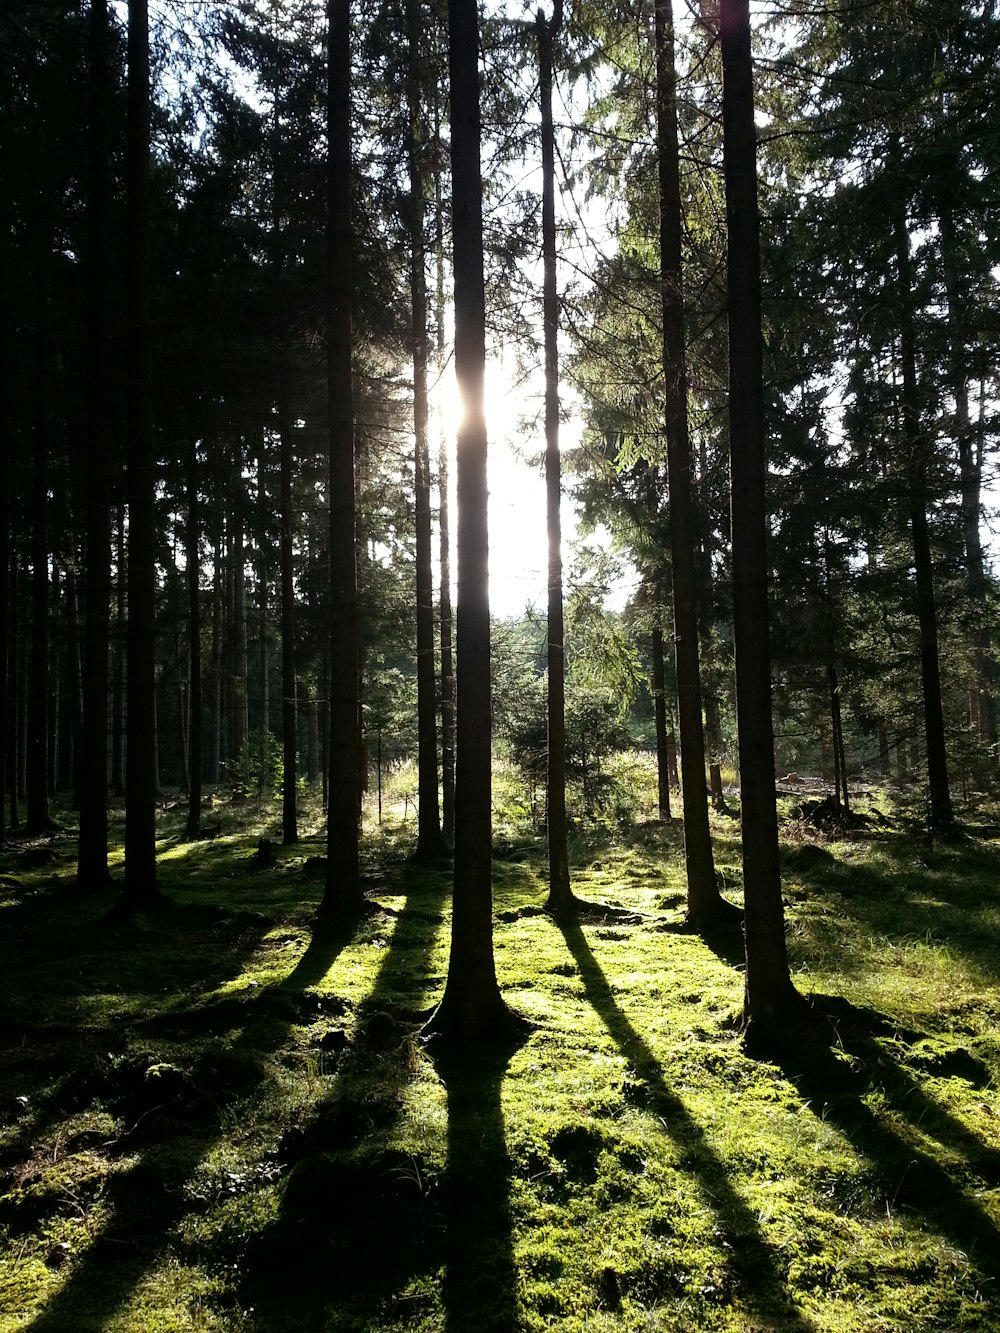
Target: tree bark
{"x":916,"y":449}
{"x":140,"y":888}
{"x":429,"y":840}
{"x":471,"y":1007}
{"x":195,"y":702}
{"x":343,"y":880}
{"x":770,"y":999}
{"x":37,"y":819}
{"x":561,"y":899}
{"x":970,"y":459}
{"x":705,"y":905}
{"x":660,"y":716}
{"x":289,"y":687}
{"x":444,"y":542}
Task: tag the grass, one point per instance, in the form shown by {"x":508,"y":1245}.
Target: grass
{"x":217,"y":1121}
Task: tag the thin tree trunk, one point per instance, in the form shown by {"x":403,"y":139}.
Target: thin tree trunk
{"x":195,"y":701}
{"x":217,"y":655}
{"x":289,"y":707}
{"x":713,"y":728}
{"x":561,"y":899}
{"x":444,"y":546}
{"x":970,"y":457}
{"x":37,"y":767}
{"x":118,"y":664}
{"x":92,"y":853}
{"x":140,"y":777}
{"x":770,"y":999}
{"x":916,"y":448}
{"x":343,"y":890}
{"x":239,"y":748}
{"x":429,"y":840}
{"x":705,"y":905}
{"x":660,"y":715}
{"x":263,"y":662}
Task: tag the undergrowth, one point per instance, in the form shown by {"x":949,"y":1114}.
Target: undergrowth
{"x":219,"y":1121}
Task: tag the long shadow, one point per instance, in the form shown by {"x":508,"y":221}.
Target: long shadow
{"x":41,"y":1021}
{"x":754,"y":1264}
{"x":910,"y":1178}
{"x":367,"y":1216}
{"x":480,"y":1287}
{"x":172,"y":1139}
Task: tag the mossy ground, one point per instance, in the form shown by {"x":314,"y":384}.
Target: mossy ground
{"x":217,"y":1120}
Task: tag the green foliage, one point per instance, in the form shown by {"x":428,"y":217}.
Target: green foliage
{"x":258,"y":769}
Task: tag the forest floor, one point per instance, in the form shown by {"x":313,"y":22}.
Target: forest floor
{"x":216,"y":1120}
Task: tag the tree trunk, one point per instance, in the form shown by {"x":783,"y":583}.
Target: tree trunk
{"x":118,"y":663}
{"x":770,"y":999}
{"x":343,"y":880}
{"x":239,"y":703}
{"x":713,"y":727}
{"x":705,"y":905}
{"x":970,"y":458}
{"x":429,"y":840}
{"x":140,"y":889}
{"x":195,"y":743}
{"x":471,"y":1007}
{"x":916,"y":449}
{"x":660,"y":715}
{"x":217,"y":655}
{"x":561,"y":899}
{"x":263,"y":661}
{"x":444,"y":547}
{"x":37,"y":820}
{"x":289,"y":705}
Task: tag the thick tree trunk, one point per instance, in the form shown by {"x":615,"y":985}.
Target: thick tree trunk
{"x":916,"y":449}
{"x":561,"y":899}
{"x":140,"y":889}
{"x":471,"y":1007}
{"x":770,"y":999}
{"x":343,"y":880}
{"x":429,"y":840}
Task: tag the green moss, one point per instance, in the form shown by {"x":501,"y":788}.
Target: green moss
{"x":219,"y":1122}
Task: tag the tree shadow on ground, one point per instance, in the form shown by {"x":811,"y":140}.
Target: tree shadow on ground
{"x":180,"y":1116}
{"x":754,"y":1267}
{"x":366,"y":1216}
{"x":480,"y":1287}
{"x":834,"y":1088}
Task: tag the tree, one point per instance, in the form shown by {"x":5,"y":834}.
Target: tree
{"x":343,"y":873}
{"x":770,"y":999}
{"x":472,"y":1007}
{"x":92,"y":857}
{"x":561,"y":899}
{"x":429,"y":840}
{"x":706,"y":907}
{"x":140,"y":888}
